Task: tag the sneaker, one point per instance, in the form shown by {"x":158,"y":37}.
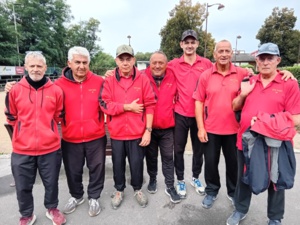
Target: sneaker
{"x":27,"y":220}
{"x":152,"y":186}
{"x":235,"y":218}
{"x":117,"y":199}
{"x":172,"y":193}
{"x":56,"y":216}
{"x":72,"y":204}
{"x":141,"y":198}
{"x":181,"y":189}
{"x":199,"y":188}
{"x":274,"y":222}
{"x":95,"y":208}
{"x":231,"y":199}
{"x":208,"y":201}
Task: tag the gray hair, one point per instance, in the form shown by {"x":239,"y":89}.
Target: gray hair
{"x":35,"y":54}
{"x":159,"y":52}
{"x":77,"y":50}
{"x":222,"y":41}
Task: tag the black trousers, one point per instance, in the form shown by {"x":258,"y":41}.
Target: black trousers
{"x":74,"y":157}
{"x":164,"y":140}
{"x":243,"y":195}
{"x":182,"y":127}
{"x":24,"y":169}
{"x":212,"y":150}
{"x":135,"y":154}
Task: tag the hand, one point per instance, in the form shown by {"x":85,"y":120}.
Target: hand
{"x":145,"y":139}
{"x":247,"y":87}
{"x":253,"y":120}
{"x":286,"y":75}
{"x":250,"y":70}
{"x":135,"y":107}
{"x":9,"y":85}
{"x":202,"y":135}
{"x":109,"y":73}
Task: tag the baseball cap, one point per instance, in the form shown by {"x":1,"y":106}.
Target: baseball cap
{"x":189,"y":33}
{"x":122,"y":49}
{"x":268,"y":48}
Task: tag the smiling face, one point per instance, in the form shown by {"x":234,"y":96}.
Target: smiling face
{"x":223,"y":53}
{"x":79,"y":65}
{"x":158,"y":64}
{"x":125,"y":62}
{"x":189,"y":46}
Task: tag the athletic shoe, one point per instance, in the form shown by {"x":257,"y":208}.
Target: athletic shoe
{"x":231,"y":199}
{"x":152,"y":186}
{"x":235,"y":218}
{"x":141,"y":198}
{"x":208,"y":201}
{"x":72,"y":204}
{"x":181,"y":188}
{"x":27,"y":220}
{"x":117,"y":199}
{"x":274,"y":222}
{"x":199,"y":188}
{"x":56,"y":216}
{"x":172,"y":193}
{"x":95,"y":208}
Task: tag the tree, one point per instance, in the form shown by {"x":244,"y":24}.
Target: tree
{"x":85,"y":34}
{"x":183,"y":17}
{"x":102,"y":62}
{"x":8,"y":48}
{"x":279,"y":29}
{"x":40,"y":25}
{"x":140,"y":56}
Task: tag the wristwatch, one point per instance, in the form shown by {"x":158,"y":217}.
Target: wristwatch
{"x":149,"y":129}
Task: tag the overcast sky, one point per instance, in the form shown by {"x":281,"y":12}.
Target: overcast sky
{"x":143,"y":20}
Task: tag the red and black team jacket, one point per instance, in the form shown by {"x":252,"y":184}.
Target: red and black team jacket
{"x":123,"y":125}
{"x":34,"y":114}
{"x":84,"y":120}
{"x":164,"y":110}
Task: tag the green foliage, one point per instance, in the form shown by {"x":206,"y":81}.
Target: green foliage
{"x":84,"y":34}
{"x":102,"y":62}
{"x":183,"y":17}
{"x":140,"y":56}
{"x":279,"y":29}
{"x":249,"y":66}
{"x":295,"y":70}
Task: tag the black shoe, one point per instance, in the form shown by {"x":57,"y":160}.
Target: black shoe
{"x":174,"y":196}
{"x":152,"y":186}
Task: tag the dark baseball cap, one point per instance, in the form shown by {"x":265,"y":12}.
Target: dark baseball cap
{"x":124,"y":49}
{"x":189,"y":33}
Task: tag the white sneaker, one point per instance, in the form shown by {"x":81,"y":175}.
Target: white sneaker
{"x":181,"y":188}
{"x":199,"y":188}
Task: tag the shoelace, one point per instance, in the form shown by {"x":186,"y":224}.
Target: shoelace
{"x":198,"y":183}
{"x":118,"y":194}
{"x":93,"y":202}
{"x":181,"y":186}
{"x":54,"y":212}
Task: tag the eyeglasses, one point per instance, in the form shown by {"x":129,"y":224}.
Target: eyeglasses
{"x":269,"y":58}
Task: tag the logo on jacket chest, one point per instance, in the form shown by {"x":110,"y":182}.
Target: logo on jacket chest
{"x":92,"y":90}
{"x":137,"y":89}
{"x":51,"y":98}
{"x":277,"y":90}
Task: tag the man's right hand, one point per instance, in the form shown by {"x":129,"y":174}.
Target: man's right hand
{"x":9,"y":85}
{"x":109,"y":73}
{"x":202,"y":135}
{"x":134,"y":107}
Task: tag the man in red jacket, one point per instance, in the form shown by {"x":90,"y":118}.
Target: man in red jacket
{"x":83,"y":133}
{"x":128,"y":100}
{"x":33,"y":107}
{"x":164,"y":85}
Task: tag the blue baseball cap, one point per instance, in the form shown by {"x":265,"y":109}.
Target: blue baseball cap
{"x":268,"y":48}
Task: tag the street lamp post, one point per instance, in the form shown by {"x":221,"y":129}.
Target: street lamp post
{"x":17,"y":40}
{"x":129,"y":39}
{"x":220,"y":6}
{"x":236,"y":51}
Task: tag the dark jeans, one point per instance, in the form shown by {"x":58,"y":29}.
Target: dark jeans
{"x":182,"y":127}
{"x":164,"y":140}
{"x":135,"y":154}
{"x":243,"y":195}
{"x":74,"y":156}
{"x":212,"y":150}
{"x":24,"y":169}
